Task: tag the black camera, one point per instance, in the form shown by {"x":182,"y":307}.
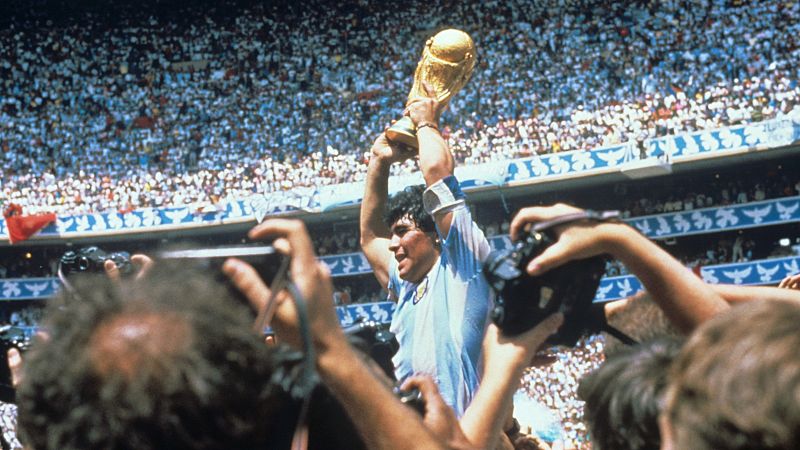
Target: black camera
{"x":271,"y":266}
{"x":10,"y":337}
{"x":330,"y":427}
{"x":523,"y":301}
{"x":375,"y":339}
{"x":92,"y":259}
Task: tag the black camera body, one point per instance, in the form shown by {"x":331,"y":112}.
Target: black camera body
{"x":10,"y":337}
{"x":92,"y":260}
{"x":375,"y":340}
{"x":523,"y":301}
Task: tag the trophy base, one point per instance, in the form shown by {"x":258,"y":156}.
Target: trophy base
{"x":403,"y":132}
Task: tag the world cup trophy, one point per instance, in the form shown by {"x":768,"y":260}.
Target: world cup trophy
{"x":446,"y":65}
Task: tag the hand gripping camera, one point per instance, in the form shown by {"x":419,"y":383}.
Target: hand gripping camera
{"x":523,"y":301}
{"x":91,"y":259}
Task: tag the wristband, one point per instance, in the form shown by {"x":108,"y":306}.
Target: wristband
{"x":427,"y":124}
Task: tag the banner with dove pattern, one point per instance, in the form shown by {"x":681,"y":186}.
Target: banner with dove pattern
{"x":714,"y":219}
{"x":762,"y":272}
{"x":768,"y":134}
{"x":711,"y":143}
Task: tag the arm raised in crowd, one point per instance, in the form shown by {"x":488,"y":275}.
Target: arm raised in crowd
{"x":381,"y":420}
{"x":685,"y":298}
{"x":435,"y":160}
{"x":735,"y":294}
{"x":505,"y":358}
{"x":374,"y":232}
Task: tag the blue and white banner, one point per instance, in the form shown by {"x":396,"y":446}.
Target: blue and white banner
{"x":767,"y":271}
{"x":709,"y":220}
{"x":378,"y":312}
{"x":763,"y":135}
{"x":769,"y":134}
{"x":348,"y":264}
{"x":616,"y":288}
{"x":562,"y":164}
{"x":28,"y":288}
{"x":145,"y":219}
{"x":762,"y":272}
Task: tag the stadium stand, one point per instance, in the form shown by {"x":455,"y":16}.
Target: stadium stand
{"x":149,"y":111}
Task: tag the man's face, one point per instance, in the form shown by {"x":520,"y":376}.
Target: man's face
{"x":414,"y":250}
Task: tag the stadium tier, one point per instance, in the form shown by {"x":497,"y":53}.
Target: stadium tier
{"x":206,"y":104}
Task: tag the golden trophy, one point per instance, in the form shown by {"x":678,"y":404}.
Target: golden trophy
{"x":446,"y":65}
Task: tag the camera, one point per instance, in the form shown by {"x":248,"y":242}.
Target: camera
{"x":330,"y":427}
{"x":375,"y":340}
{"x":270,"y":265}
{"x":523,"y":301}
{"x":10,"y":337}
{"x":92,"y":259}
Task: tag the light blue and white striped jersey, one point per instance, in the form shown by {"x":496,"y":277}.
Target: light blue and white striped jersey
{"x":440,"y":322}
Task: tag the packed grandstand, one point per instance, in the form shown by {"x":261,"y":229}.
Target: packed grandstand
{"x":115,"y":108}
{"x":120,"y":108}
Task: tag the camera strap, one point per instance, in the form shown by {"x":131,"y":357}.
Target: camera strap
{"x":588,"y":214}
{"x":309,"y":379}
{"x":624,"y":338}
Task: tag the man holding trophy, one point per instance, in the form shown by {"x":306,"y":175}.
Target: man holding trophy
{"x":422,"y":243}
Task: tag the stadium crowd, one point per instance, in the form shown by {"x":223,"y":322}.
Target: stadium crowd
{"x":555,"y":385}
{"x":122,"y":108}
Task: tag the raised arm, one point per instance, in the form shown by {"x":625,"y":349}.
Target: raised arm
{"x":374,"y":232}
{"x":685,"y":298}
{"x":435,"y":160}
{"x":505,"y":359}
{"x":736,"y":294}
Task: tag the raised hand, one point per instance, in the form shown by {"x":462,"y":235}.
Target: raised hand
{"x":390,"y":152}
{"x":425,"y":109}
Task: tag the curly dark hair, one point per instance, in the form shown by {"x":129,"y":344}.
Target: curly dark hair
{"x":408,"y":202}
{"x":169,"y":362}
{"x":623,"y":395}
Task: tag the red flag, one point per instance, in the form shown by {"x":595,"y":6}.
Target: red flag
{"x":22,"y":227}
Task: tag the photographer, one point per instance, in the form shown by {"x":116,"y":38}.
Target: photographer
{"x":736,"y":383}
{"x":382,"y":421}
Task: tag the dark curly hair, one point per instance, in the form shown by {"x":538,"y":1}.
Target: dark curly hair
{"x":623,"y":395}
{"x":170,"y":362}
{"x":408,"y":202}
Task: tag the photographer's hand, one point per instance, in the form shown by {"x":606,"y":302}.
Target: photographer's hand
{"x":576,"y":240}
{"x":14,"y":358}
{"x":439,"y":418}
{"x":790,"y":282}
{"x":311,"y":278}
{"x":683,"y":297}
{"x":141,"y":262}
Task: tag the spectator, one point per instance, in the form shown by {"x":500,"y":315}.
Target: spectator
{"x":735,"y":384}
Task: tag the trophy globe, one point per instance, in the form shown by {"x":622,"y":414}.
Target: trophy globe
{"x":446,"y":65}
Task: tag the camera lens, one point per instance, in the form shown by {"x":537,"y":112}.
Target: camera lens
{"x":83,"y":263}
